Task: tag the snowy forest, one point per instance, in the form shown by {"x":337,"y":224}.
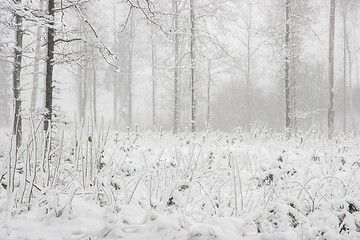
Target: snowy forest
{"x":179,"y":119}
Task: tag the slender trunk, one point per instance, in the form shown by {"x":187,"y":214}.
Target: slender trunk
{"x":248,"y":68}
{"x":356,"y":60}
{"x":94,"y":90}
{"x":320,"y":77}
{"x":80,"y":80}
{"x":130,"y":69}
{"x":192,"y":62}
{"x":331,"y":112}
{"x":287,"y":68}
{"x":17,"y":128}
{"x":208,"y":95}
{"x":153,"y":74}
{"x":294,"y":100}
{"x":49,"y":66}
{"x":115,"y":80}
{"x":344,"y":60}
{"x":79,"y":92}
{"x":5,"y":101}
{"x":115,"y":98}
{"x":293,"y":77}
{"x":36,"y":63}
{"x":350,"y":85}
{"x":85,"y":87}
{"x":176,"y":68}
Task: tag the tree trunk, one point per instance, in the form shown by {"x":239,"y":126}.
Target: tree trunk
{"x":176,"y":68}
{"x":49,"y":67}
{"x":331,"y":112}
{"x":79,"y":92}
{"x":248,"y":68}
{"x":94,"y":89}
{"x":36,"y":63}
{"x":295,"y":105}
{"x":293,"y":77}
{"x":4,"y":103}
{"x":115,"y":99}
{"x":17,"y":128}
{"x":115,"y":76}
{"x":350,"y":83}
{"x":287,"y":68}
{"x":130,"y":68}
{"x":208,"y":95}
{"x":153,"y":74}
{"x":356,"y":63}
{"x":192,"y":62}
{"x":319,"y":70}
{"x":344,"y":62}
{"x":84,"y":85}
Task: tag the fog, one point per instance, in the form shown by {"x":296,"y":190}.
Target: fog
{"x":115,"y":62}
{"x":179,"y":119}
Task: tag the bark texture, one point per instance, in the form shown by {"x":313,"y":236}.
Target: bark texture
{"x":17,"y":127}
{"x":49,"y":67}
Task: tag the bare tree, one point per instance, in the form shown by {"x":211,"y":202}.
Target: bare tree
{"x":287,"y":67}
{"x":176,"y":67}
{"x":49,"y":66}
{"x":153,"y":73}
{"x":331,"y":111}
{"x":115,"y":75}
{"x":130,"y":68}
{"x":208,"y":94}
{"x":94,"y":85}
{"x":344,"y":12}
{"x":5,"y":96}
{"x":248,"y":44}
{"x":36,"y":62}
{"x":83,"y":82}
{"x":192,"y":67}
{"x":351,"y":55}
{"x":17,"y":128}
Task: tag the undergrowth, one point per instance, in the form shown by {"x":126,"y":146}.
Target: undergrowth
{"x":306,"y":184}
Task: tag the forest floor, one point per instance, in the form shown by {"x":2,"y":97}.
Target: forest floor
{"x":211,"y":185}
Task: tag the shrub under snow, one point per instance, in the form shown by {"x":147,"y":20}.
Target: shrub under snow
{"x":203,"y":186}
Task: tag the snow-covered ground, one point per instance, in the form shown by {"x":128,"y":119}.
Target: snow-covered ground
{"x":209,"y":186}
